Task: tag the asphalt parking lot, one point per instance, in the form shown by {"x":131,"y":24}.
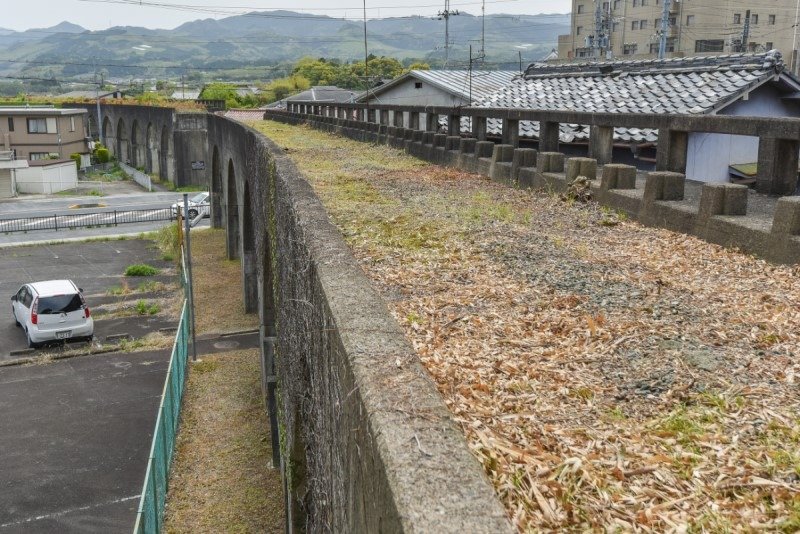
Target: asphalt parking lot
{"x":75,"y":439}
{"x":94,"y":266}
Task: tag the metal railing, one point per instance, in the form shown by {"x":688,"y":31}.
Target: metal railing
{"x":150,"y":514}
{"x":81,"y":220}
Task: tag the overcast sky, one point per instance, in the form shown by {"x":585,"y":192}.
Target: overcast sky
{"x":102,"y":14}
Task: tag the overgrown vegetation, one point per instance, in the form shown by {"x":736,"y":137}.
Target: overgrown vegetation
{"x":141,"y":269}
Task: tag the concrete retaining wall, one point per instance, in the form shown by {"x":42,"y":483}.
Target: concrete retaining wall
{"x":721,"y":216}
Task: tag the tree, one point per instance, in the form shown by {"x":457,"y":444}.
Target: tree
{"x":221,"y":91}
{"x":316,"y":71}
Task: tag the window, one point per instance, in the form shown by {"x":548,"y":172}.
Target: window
{"x":768,"y":46}
{"x":709,"y":45}
{"x":673,"y":21}
{"x":605,"y":7}
{"x":635,"y":25}
{"x":754,"y":19}
{"x":635,"y":3}
{"x":11,"y":124}
{"x":583,"y":52}
{"x":771,"y":20}
{"x":642,"y":24}
{"x":615,"y":27}
{"x":669,"y":48}
{"x":643,"y":2}
{"x":580,"y":8}
{"x":72,"y":123}
{"x":629,"y":49}
{"x":39,"y":155}
{"x":37,"y":125}
{"x":616,"y":4}
{"x":689,"y":20}
{"x":579,"y":30}
{"x":657,"y":23}
{"x":418,"y":85}
{"x":737,"y":18}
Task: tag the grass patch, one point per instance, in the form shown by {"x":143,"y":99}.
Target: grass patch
{"x":214,"y":276}
{"x":168,"y":240}
{"x":221,"y":480}
{"x":143,"y":308}
{"x":141,"y":269}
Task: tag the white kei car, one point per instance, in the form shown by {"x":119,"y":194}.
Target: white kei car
{"x":200,"y":203}
{"x":52,"y":311}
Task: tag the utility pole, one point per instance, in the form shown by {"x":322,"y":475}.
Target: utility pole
{"x":598,"y":28}
{"x":366,"y":61}
{"x":662,"y":41}
{"x":446,"y":14}
{"x":483,"y":30}
{"x":745,"y":31}
{"x":97,"y":100}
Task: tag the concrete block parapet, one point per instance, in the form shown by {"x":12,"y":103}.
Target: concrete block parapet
{"x":439,"y":140}
{"x":664,"y":185}
{"x":786,"y":220}
{"x":523,"y":158}
{"x":618,"y":176}
{"x":427,"y":138}
{"x":467,"y":145}
{"x":452,"y":142}
{"x":484,"y":149}
{"x":550,"y":162}
{"x":580,"y":167}
{"x":500,"y":168}
{"x":722,"y":199}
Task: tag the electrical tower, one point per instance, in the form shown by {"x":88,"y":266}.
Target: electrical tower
{"x":445,"y":15}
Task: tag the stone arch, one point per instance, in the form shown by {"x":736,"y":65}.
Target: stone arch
{"x":151,"y":150}
{"x":108,"y":136}
{"x":165,"y":155}
{"x":122,"y":142}
{"x":249,"y":264}
{"x":91,"y":124}
{"x":216,"y":190}
{"x":232,"y":222}
{"x":137,"y":145}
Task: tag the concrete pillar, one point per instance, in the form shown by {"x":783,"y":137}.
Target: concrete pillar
{"x":413,"y":120}
{"x":601,"y":143}
{"x":722,"y":199}
{"x":398,"y":119}
{"x":664,"y":185}
{"x":548,"y":136}
{"x":479,"y":128}
{"x":786,"y":220}
{"x":431,"y":122}
{"x":511,"y":132}
{"x":777,"y":166}
{"x":385,"y":116}
{"x":618,"y":176}
{"x":575,"y":167}
{"x":371,"y":116}
{"x":190,"y":137}
{"x":452,"y":142}
{"x":671,"y":151}
{"x":249,"y":280}
{"x":466,"y":145}
{"x":454,"y":125}
{"x":550,"y":162}
{"x":484,"y":149}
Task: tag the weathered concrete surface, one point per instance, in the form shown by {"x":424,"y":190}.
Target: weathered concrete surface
{"x":660,"y":202}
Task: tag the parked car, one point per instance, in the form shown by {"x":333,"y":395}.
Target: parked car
{"x":200,"y":203}
{"x":51,"y":311}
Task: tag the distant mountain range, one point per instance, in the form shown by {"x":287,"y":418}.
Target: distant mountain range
{"x":233,"y":47}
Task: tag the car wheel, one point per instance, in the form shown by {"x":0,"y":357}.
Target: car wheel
{"x":31,"y":344}
{"x":15,"y":316}
{"x":192,"y":213}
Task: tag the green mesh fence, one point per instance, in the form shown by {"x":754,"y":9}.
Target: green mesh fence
{"x":150,"y":516}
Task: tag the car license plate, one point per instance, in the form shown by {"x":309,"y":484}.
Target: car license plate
{"x":64,"y":334}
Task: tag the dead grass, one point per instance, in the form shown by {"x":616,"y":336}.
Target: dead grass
{"x":221,"y":481}
{"x":216,"y":278}
{"x":607,"y":376}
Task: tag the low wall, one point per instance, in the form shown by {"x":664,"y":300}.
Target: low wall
{"x":719,"y":217}
{"x":367,"y":444}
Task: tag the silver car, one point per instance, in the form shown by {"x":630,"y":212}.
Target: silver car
{"x":53,"y":310}
{"x":198,"y":204}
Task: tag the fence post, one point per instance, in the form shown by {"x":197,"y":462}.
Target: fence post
{"x":115,"y":217}
{"x":55,"y":220}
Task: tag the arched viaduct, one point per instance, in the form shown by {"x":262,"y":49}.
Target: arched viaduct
{"x":348,"y":419}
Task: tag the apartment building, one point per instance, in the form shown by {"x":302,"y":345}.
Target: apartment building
{"x":631,"y":29}
{"x":34,"y":133}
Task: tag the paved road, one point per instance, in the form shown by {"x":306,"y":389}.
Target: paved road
{"x":39,"y":207}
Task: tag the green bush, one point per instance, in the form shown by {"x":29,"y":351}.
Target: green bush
{"x":77,"y":159}
{"x":102,"y":155}
{"x":140,"y":269}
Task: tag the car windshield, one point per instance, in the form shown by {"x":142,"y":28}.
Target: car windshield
{"x":60,"y":304}
{"x":200,"y":197}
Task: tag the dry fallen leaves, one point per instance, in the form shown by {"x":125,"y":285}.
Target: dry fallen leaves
{"x":607,"y":377}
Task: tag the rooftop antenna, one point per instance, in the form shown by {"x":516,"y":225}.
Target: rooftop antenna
{"x":446,"y":14}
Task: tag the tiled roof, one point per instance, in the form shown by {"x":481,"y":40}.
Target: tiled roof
{"x":324,"y":93}
{"x":455,"y":82}
{"x":682,"y":85}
